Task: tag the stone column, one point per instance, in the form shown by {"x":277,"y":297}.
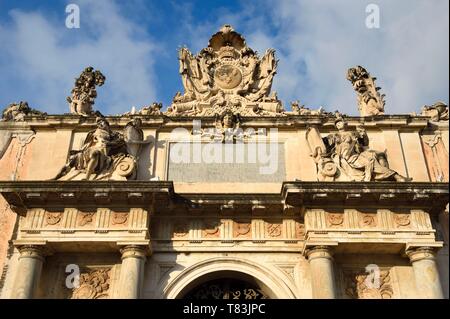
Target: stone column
{"x":426,"y":274}
{"x":28,"y":272}
{"x":322,"y":272}
{"x":131,"y":272}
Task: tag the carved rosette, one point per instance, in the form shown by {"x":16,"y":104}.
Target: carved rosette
{"x":335,"y":220}
{"x":119,"y":218}
{"x":242,"y":229}
{"x":94,"y":284}
{"x":180,"y":229}
{"x":364,"y":285}
{"x":368,"y":220}
{"x":273,"y":229}
{"x":211,"y":229}
{"x":300,"y":231}
{"x":402,"y":220}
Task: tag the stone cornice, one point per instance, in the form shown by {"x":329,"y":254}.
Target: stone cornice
{"x":22,"y":195}
{"x":28,"y":194}
{"x":433,"y":196}
{"x":67,"y":121}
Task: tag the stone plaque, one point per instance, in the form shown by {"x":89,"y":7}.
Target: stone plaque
{"x":226,"y":163}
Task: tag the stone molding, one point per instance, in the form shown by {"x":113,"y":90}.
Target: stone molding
{"x":421,"y":253}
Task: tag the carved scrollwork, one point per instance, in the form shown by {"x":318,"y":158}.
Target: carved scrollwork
{"x":53,"y":218}
{"x":94,"y":284}
{"x":335,"y":220}
{"x":363,"y":285}
{"x":402,"y":220}
{"x":242,"y":229}
{"x":211,"y":229}
{"x":85,"y":218}
{"x":229,"y":74}
{"x":274,"y":230}
{"x":368,"y":220}
{"x":180,"y":229}
{"x":119,"y":218}
{"x":18,"y":110}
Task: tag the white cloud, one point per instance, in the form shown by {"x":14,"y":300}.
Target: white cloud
{"x":45,"y":57}
{"x":318,"y":41}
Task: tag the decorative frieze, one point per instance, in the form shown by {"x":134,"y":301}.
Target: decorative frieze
{"x":85,"y":219}
{"x":242,"y":229}
{"x":274,"y":230}
{"x":180,"y":229}
{"x":367,"y":220}
{"x":52,"y":219}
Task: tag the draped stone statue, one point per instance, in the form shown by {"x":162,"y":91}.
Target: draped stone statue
{"x":346,"y":156}
{"x":134,"y":138}
{"x":103,"y":156}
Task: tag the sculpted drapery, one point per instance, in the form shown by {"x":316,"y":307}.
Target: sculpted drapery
{"x":103,"y":156}
{"x":346,"y":156}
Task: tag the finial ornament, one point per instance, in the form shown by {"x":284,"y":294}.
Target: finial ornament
{"x":370,"y":101}
{"x":84,"y":93}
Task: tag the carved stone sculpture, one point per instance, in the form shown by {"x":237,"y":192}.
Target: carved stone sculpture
{"x":93,"y":285}
{"x":363,"y":285}
{"x":84,"y":92}
{"x":370,"y":101}
{"x":134,"y":139}
{"x":346,"y":156}
{"x":17,"y":112}
{"x":226,"y":72}
{"x":438,"y":111}
{"x":103,"y":156}
{"x":153,"y":109}
{"x":298,"y":109}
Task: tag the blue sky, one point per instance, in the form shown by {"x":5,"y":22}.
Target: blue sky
{"x":134,"y":43}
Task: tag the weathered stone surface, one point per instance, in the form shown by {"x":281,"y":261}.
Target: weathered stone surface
{"x":332,"y":220}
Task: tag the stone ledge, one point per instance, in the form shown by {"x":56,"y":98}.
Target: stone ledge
{"x":22,"y":195}
{"x":401,"y":194}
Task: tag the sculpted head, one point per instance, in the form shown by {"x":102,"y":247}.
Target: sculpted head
{"x":137,"y":122}
{"x":102,"y":123}
{"x":339,"y":123}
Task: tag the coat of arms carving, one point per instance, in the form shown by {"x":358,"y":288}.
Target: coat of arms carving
{"x":226,"y":76}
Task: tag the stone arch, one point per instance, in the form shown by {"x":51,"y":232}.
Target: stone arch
{"x":277,"y":284}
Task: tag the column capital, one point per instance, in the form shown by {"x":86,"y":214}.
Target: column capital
{"x":420,"y":253}
{"x":134,"y":251}
{"x":321,"y":251}
{"x":32,"y":251}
